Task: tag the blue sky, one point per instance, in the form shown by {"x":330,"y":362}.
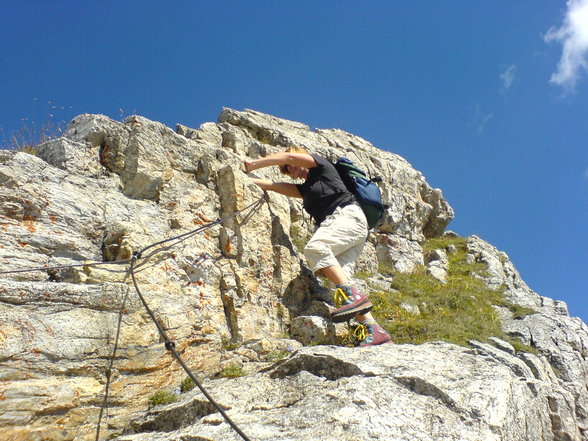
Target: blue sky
{"x":489,"y":100}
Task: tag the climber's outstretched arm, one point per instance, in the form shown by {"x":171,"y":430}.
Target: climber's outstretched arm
{"x":279,"y":187}
{"x":280,"y":159}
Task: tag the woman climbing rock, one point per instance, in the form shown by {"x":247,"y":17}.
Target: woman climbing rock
{"x":341,"y":230}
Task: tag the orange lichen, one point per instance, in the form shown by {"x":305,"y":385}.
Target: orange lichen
{"x":29,"y":222}
{"x":201,"y":220}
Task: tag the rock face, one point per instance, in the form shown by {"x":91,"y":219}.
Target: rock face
{"x":435,"y":391}
{"x":106,"y":190}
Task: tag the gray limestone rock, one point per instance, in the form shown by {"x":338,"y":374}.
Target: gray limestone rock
{"x":229,"y":295}
{"x":437,"y":264}
{"x":436,"y":391}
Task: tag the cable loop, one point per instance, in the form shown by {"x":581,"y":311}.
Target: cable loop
{"x":169,"y":345}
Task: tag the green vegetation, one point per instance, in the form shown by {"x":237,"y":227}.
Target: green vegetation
{"x":162,"y":397}
{"x":299,"y":237}
{"x":276,"y":355}
{"x":187,"y":384}
{"x":460,"y":310}
{"x":364,"y":275}
{"x":385,"y":269}
{"x":232,"y":371}
{"x":229,"y":345}
{"x":518,"y":311}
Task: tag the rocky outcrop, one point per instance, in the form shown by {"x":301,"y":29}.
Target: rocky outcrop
{"x":435,"y":391}
{"x":228,"y":296}
{"x":562,"y":340}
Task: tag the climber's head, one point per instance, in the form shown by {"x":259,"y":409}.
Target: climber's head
{"x":292,"y":170}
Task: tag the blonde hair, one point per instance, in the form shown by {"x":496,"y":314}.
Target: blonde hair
{"x":292,"y":149}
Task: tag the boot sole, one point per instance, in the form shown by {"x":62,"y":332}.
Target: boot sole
{"x":376,"y":344}
{"x":352,"y":312}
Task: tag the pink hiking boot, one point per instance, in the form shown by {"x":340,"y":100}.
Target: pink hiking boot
{"x":374,"y":335}
{"x":350,"y":302}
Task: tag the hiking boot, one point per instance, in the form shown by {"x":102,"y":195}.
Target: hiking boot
{"x":374,"y":335}
{"x":350,"y":302}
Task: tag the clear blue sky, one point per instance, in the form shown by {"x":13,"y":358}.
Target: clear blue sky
{"x":472,"y":94}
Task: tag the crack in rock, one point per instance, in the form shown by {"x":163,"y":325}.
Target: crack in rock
{"x":423,"y":387}
{"x":175,"y":416}
{"x":321,"y":365}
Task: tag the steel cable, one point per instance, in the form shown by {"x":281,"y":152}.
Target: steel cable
{"x":169,"y":344}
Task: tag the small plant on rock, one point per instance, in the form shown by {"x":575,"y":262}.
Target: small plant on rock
{"x":187,"y":384}
{"x":299,"y":237}
{"x":232,"y":371}
{"x":518,"y":312}
{"x":162,"y":397}
{"x":229,"y":345}
{"x":276,"y":355}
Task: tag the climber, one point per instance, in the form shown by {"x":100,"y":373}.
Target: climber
{"x":341,"y":230}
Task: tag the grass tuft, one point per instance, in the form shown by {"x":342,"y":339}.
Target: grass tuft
{"x":232,"y":371}
{"x":460,"y":310}
{"x":229,"y":345}
{"x":32,"y":134}
{"x":299,"y":237}
{"x":518,"y":312}
{"x":276,"y":355}
{"x":162,"y":397}
{"x":187,"y":384}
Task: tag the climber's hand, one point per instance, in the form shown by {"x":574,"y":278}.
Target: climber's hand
{"x":248,"y":166}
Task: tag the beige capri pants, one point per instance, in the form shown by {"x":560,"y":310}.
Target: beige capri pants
{"x":338,"y":240}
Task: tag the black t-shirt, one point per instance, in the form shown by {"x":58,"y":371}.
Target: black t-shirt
{"x":323,"y":191}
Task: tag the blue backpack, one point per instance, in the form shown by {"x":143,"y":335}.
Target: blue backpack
{"x":365,"y":190}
